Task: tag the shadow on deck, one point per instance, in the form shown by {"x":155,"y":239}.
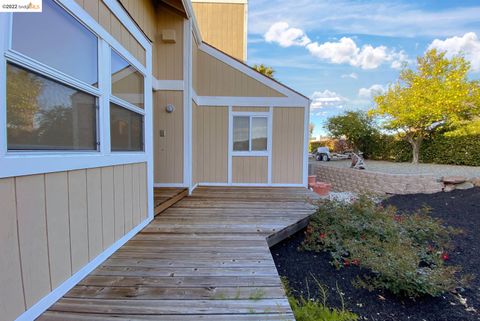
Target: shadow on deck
{"x":205,"y":258}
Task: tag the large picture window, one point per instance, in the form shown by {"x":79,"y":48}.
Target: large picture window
{"x":72,"y":96}
{"x":43,"y":114}
{"x":58,"y":40}
{"x":250,"y":134}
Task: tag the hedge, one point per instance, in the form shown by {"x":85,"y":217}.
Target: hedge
{"x":458,"y":150}
{"x":440,"y":149}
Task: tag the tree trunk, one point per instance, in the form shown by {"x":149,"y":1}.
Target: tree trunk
{"x":415,"y":142}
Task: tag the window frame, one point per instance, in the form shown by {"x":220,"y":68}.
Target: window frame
{"x":37,"y":151}
{"x":16,"y":58}
{"x":123,"y":103}
{"x":250,"y":152}
{"x":16,"y":163}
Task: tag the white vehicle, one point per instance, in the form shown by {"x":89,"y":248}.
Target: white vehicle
{"x":322,"y":154}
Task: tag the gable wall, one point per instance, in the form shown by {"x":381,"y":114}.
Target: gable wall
{"x":216,"y":78}
{"x":222,"y":25}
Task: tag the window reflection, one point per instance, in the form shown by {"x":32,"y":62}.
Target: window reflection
{"x":58,"y":40}
{"x":259,"y":133}
{"x":127,"y":82}
{"x":241,"y":133}
{"x":126,"y":129}
{"x":43,"y":114}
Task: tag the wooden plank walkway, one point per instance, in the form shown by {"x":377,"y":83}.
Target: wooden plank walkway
{"x":164,"y":197}
{"x":204,"y":258}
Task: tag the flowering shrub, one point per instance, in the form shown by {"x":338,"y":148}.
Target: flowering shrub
{"x":405,"y":254}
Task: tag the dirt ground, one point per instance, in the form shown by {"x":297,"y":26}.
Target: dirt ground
{"x":460,"y":209}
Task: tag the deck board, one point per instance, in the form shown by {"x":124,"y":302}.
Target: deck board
{"x":205,"y":258}
{"x":165,"y":197}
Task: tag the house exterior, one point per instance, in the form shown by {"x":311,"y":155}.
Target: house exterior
{"x":103,"y":100}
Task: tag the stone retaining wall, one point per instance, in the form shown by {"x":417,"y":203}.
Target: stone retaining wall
{"x":353,"y":180}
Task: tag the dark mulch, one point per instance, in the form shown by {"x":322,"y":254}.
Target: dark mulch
{"x":458,"y":208}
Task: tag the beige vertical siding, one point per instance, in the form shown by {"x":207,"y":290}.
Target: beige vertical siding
{"x":100,"y":12}
{"x":223,"y":26}
{"x":216,"y":78}
{"x":32,"y":237}
{"x":143,"y":12}
{"x":77,"y":196}
{"x":168,"y":150}
{"x":287,"y":145}
{"x":210,"y":134}
{"x":56,"y":197}
{"x":12,"y":303}
{"x":168,"y":57}
{"x":119,"y":206}
{"x":108,"y":207}
{"x":53,"y":224}
{"x":252,"y":170}
{"x":94,"y":212}
{"x":252,"y":109}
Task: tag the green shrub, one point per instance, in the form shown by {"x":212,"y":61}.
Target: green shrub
{"x":404,"y":253}
{"x":316,"y":309}
{"x":315,"y":145}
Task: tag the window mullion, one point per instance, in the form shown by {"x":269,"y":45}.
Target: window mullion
{"x":5,"y":24}
{"x":250,"y":133}
{"x":105,"y":89}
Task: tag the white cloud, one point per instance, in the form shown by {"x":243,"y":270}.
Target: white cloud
{"x":346,"y":51}
{"x":399,"y":59}
{"x":352,"y":75}
{"x":371,"y":91}
{"x":286,"y":36}
{"x":327,"y":98}
{"x":468,"y":45}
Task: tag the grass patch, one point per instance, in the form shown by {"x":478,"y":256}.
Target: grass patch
{"x":307,"y":309}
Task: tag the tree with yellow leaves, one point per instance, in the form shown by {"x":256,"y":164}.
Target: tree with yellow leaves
{"x":267,"y":71}
{"x":437,"y":94}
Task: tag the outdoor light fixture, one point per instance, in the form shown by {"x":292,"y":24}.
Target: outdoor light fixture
{"x":170,"y":108}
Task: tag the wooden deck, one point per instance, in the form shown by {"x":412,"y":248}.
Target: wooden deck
{"x":204,"y":258}
{"x":164,"y":197}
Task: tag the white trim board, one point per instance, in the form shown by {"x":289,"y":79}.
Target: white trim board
{"x":41,"y":306}
{"x":221,"y":1}
{"x":207,"y":184}
{"x":223,"y":101}
{"x":187,"y":110}
{"x":191,"y":16}
{"x":306,"y":141}
{"x":250,"y":101}
{"x":160,"y":185}
{"x":177,"y":85}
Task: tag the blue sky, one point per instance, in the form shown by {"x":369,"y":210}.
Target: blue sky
{"x":341,"y":52}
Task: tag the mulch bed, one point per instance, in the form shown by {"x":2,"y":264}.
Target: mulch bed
{"x":460,"y":209}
